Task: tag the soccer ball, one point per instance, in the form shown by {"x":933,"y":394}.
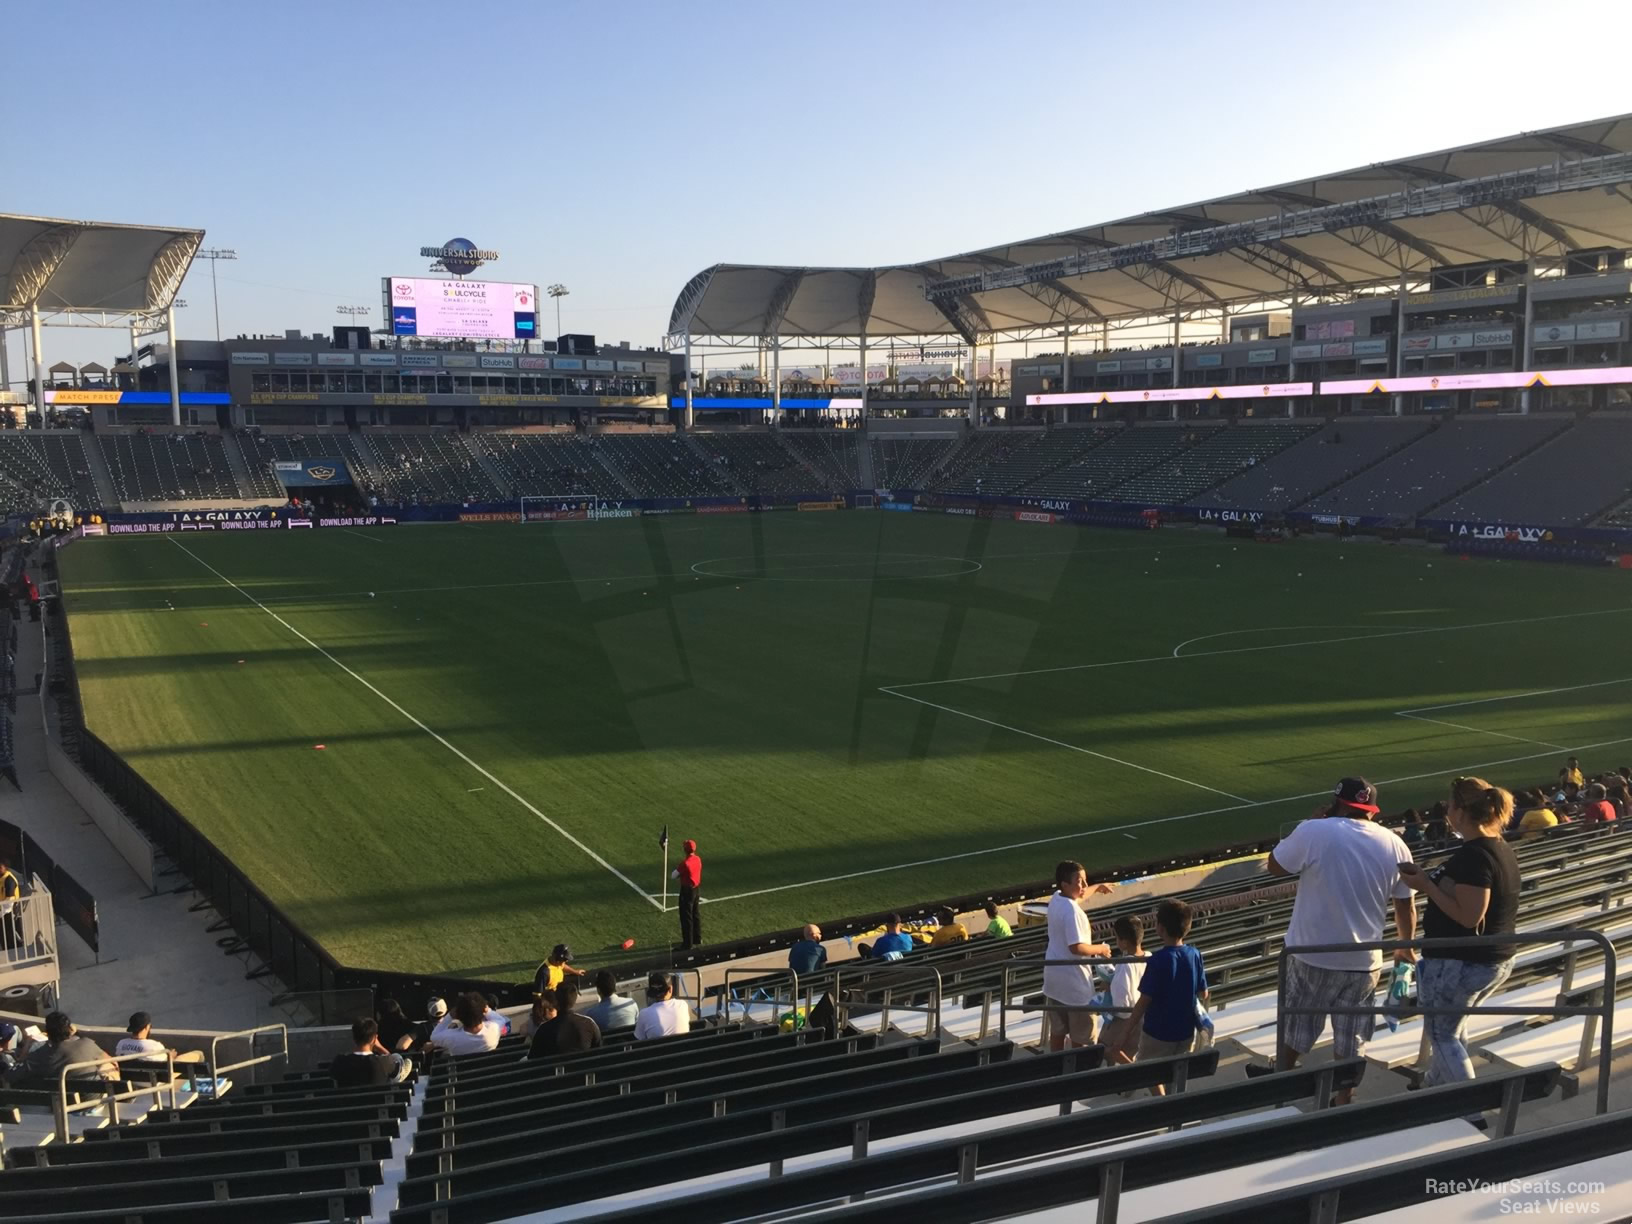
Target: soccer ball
{"x":371,"y":594}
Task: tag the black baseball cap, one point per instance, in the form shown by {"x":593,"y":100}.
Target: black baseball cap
{"x":1355,"y":793}
{"x":561,"y":953}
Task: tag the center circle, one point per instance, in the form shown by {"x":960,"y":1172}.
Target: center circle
{"x":836,"y":566}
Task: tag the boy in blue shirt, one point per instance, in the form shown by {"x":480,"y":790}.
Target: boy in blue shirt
{"x":1173,"y":981}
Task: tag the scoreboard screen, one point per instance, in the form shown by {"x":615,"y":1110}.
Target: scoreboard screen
{"x":462,"y":309}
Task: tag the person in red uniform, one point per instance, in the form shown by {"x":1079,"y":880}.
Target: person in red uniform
{"x":690,"y":875}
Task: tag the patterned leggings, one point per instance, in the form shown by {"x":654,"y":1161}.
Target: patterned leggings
{"x":1442,"y":982}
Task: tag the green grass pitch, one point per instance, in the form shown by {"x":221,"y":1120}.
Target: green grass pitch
{"x":847,"y":711}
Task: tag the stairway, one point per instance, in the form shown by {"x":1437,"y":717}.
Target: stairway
{"x":864,"y":463}
{"x":235,"y":464}
{"x":709,"y":464}
{"x":817,"y":479}
{"x":487,"y":465}
{"x":97,"y":466}
{"x":603,"y":456}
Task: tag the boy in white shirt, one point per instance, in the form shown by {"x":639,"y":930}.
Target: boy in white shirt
{"x":1120,"y":1036}
{"x":140,"y":1041}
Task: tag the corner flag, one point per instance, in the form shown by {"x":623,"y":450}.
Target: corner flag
{"x":663,"y":838}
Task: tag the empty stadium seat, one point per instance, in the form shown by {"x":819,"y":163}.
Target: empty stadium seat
{"x":548,"y":465}
{"x":758,"y":462}
{"x":1220,"y":455}
{"x":1099,"y":473}
{"x":167,"y":467}
{"x":831,"y":453}
{"x":905,"y":463}
{"x":1459,"y":453}
{"x":37,"y":466}
{"x":410,"y":468}
{"x":1315,"y":464}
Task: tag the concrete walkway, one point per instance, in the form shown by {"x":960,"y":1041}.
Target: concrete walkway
{"x":156,"y":956}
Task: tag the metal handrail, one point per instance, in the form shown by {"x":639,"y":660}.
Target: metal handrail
{"x":932,"y":1012}
{"x":60,"y":1108}
{"x":1604,"y":1012}
{"x":680,"y":990}
{"x":253,"y":1060}
{"x":1003,"y":1006}
{"x":726,"y":998}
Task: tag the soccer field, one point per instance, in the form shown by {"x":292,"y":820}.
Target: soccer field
{"x":846,"y":710}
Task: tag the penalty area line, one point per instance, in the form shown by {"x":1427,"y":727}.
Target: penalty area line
{"x":458,"y":752}
{"x":1145,"y":824}
{"x":1062,"y":744}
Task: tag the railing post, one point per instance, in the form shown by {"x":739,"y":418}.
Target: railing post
{"x":59,"y":1108}
{"x":858,"y":1138}
{"x":1606,"y":1037}
{"x":1512,"y":1097}
{"x":1280,"y":1005}
{"x":779,"y":1121}
{"x":1003,"y":1008}
{"x":1110,"y":1192}
{"x":968,"y":1160}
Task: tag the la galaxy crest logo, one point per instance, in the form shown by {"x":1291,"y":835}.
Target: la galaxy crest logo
{"x":320,"y":472}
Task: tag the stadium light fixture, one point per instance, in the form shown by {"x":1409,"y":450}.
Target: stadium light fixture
{"x":558,"y":292}
{"x":215,"y":255}
{"x":353,"y":311}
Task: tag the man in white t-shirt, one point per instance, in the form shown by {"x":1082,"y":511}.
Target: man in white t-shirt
{"x":664,"y":1015}
{"x":1068,"y":989}
{"x":140,"y":1041}
{"x":1348,"y":870}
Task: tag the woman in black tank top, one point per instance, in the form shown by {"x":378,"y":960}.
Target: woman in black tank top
{"x":1473,"y":892}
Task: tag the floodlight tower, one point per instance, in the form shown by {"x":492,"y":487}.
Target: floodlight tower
{"x":558,"y":292}
{"x":214,"y":255}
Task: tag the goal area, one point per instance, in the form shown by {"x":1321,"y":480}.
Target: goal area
{"x":564,"y":508}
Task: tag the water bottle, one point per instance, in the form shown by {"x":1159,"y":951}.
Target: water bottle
{"x":1402,"y":994}
{"x":1204,"y":1026}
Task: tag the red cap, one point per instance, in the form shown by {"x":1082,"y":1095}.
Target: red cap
{"x":1356,"y":793}
{"x":691,"y":846}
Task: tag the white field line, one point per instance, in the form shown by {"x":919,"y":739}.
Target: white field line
{"x":362,"y":535}
{"x":1142,"y":824}
{"x":1570,"y":688}
{"x":1207,"y":654}
{"x":1523,"y":739}
{"x":1062,"y":744}
{"x":1417,"y":713}
{"x":486,"y":773}
{"x":1207,"y":637}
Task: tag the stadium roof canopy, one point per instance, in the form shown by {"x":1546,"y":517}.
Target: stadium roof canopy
{"x":1531,"y":196}
{"x":102,"y":270}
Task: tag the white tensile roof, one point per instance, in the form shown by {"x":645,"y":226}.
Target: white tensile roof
{"x":91,"y":266}
{"x":1538,"y":193}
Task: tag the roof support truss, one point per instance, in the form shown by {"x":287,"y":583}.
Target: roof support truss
{"x":169,"y":268}
{"x":1381,"y":214}
{"x":37,"y":262}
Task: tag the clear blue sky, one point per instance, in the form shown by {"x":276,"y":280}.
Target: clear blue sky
{"x":620,"y":148}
